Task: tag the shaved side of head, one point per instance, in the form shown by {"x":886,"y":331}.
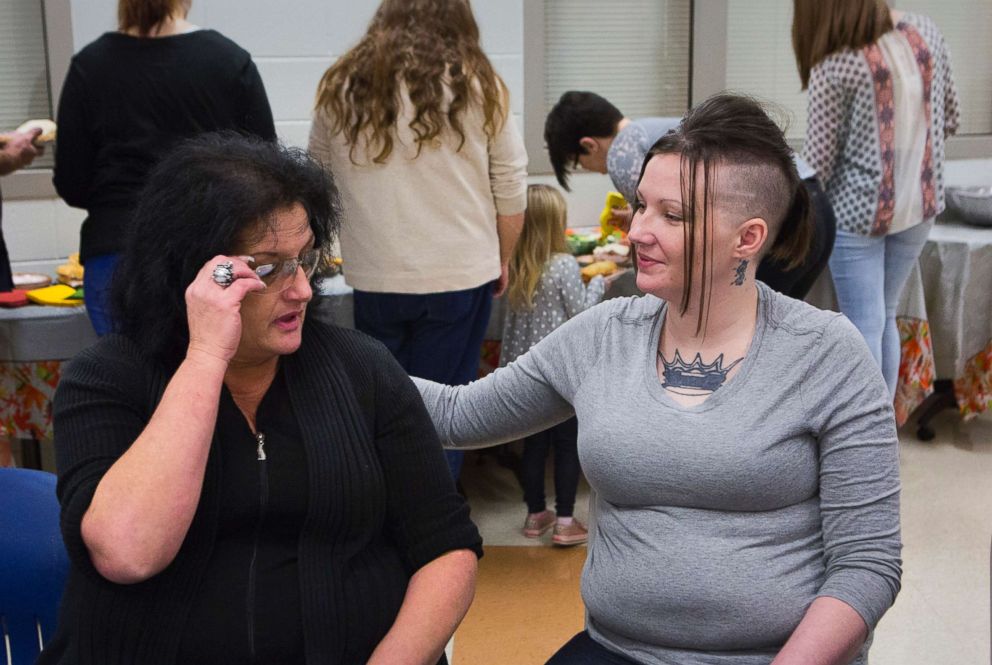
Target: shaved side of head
{"x":749,"y":189}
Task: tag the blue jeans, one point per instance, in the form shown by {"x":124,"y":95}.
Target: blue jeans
{"x":435,"y":336}
{"x":96,"y":291}
{"x":869,"y":274}
{"x":583,"y":650}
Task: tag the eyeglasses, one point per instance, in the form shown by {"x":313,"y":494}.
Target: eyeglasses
{"x":279,"y":274}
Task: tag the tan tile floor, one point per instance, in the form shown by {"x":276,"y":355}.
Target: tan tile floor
{"x":522,"y":619}
{"x":942,"y":613}
{"x":941,"y":617}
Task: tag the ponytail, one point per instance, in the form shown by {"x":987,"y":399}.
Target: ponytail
{"x":792,"y":244}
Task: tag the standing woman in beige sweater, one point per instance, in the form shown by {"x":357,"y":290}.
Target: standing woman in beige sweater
{"x":415,"y":125}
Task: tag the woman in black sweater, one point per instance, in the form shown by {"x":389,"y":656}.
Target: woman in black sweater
{"x":239,"y":484}
{"x":127,"y":99}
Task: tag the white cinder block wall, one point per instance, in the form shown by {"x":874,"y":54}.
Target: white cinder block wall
{"x":292,"y":43}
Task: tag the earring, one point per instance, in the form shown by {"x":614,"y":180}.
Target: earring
{"x":740,"y":273}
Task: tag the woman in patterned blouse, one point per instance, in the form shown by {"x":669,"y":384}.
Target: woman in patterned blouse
{"x":881,"y":104}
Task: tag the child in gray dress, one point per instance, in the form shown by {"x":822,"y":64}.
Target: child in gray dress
{"x":546,"y":290}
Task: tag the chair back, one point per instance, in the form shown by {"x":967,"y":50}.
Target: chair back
{"x":33,"y":563}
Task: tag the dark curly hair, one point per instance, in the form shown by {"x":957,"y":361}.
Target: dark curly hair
{"x":201,"y":200}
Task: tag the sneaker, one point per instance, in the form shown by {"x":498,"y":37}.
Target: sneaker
{"x":538,"y":523}
{"x":570,"y":534}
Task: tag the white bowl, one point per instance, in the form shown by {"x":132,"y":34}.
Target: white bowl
{"x":972,"y":204}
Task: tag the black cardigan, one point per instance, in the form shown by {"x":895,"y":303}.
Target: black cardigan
{"x":382,"y":503}
{"x":127,"y":100}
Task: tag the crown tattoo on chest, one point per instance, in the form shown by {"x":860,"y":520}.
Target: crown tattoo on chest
{"x":695,"y":378}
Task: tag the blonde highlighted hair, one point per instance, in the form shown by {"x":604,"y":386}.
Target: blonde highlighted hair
{"x":542,"y":236}
{"x":431,"y":46}
{"x":823,"y":27}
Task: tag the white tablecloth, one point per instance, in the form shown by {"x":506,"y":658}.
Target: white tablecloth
{"x":945,"y":319}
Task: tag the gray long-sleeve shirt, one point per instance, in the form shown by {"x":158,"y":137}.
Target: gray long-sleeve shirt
{"x":716,"y":525}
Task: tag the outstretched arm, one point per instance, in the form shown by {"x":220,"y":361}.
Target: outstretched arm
{"x":529,"y":395}
{"x":505,"y":406}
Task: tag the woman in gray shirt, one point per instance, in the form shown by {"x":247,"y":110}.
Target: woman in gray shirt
{"x":740,"y":444}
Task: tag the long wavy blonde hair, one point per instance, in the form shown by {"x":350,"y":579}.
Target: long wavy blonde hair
{"x":543,"y":235}
{"x":431,"y":46}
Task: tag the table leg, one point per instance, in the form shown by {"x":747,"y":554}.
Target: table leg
{"x":942,"y":398}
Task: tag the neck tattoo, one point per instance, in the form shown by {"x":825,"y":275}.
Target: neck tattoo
{"x":740,"y":273}
{"x":695,"y":378}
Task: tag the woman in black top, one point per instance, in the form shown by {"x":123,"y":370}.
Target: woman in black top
{"x":128,"y":98}
{"x":240,"y":484}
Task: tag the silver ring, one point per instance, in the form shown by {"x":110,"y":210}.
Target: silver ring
{"x":223,"y":274}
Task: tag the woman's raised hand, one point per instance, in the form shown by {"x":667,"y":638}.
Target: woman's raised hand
{"x":214,"y":311}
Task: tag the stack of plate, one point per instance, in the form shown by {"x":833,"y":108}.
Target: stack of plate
{"x":30,"y":280}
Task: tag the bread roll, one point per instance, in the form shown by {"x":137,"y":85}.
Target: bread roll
{"x":47,"y":127}
{"x":603,"y":268}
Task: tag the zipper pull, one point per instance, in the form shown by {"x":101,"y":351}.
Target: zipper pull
{"x":260,"y":438}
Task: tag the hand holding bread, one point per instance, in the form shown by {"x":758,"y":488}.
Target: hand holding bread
{"x":20,"y":147}
{"x":47,"y":130}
